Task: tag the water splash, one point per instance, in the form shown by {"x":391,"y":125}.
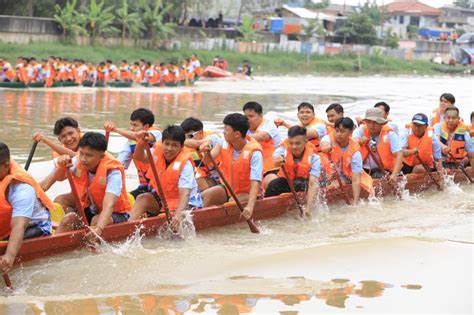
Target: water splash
{"x":450,"y":186}
{"x":184,"y":230}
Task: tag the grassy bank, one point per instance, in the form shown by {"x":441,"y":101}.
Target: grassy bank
{"x":264,"y":64}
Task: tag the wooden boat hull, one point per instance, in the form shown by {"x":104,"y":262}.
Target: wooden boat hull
{"x":21,"y":85}
{"x":208,"y":217}
{"x":215,"y":72}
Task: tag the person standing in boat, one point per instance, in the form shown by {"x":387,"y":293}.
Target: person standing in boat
{"x":241,"y":161}
{"x":303,"y":165}
{"x":141,"y":119}
{"x":176,"y":170}
{"x":456,"y":143}
{"x":315,"y":127}
{"x":419,"y":145}
{"x":376,"y":135}
{"x":344,"y":154}
{"x":24,"y":208}
{"x":100,"y":181}
{"x":195,"y":137}
{"x":445,"y":100}
{"x":266,"y":133}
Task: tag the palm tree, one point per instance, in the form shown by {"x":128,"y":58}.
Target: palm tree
{"x":246,"y":30}
{"x":153,"y":16}
{"x":313,"y":27}
{"x":99,"y":19}
{"x":131,"y":22}
{"x":69,"y":20}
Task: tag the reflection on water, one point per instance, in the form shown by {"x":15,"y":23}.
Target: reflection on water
{"x":333,"y":294}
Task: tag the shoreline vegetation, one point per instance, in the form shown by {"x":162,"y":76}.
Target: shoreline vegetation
{"x":274,"y":63}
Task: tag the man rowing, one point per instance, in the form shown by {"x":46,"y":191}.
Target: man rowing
{"x":301,"y":163}
{"x":266,"y":133}
{"x":176,"y":175}
{"x":419,"y":146}
{"x":141,"y":119}
{"x":240,"y":159}
{"x":24,"y":208}
{"x":385,"y":151}
{"x":445,"y":100}
{"x":386,"y":111}
{"x":456,"y":143}
{"x":346,"y":159}
{"x":100,"y":181}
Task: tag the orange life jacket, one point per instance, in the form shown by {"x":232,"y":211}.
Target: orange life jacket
{"x":199,"y":71}
{"x":8,"y":71}
{"x":142,"y":168}
{"x":343,"y":161}
{"x":96,"y":189}
{"x":383,"y":147}
{"x":23,"y":75}
{"x":313,"y":123}
{"x":301,"y":169}
{"x":125,"y":72}
{"x":424,"y":145}
{"x":169,"y":174}
{"x":268,"y":147}
{"x":238,"y":172}
{"x":19,"y":174}
{"x":457,"y":143}
{"x":201,"y":169}
{"x":436,"y":117}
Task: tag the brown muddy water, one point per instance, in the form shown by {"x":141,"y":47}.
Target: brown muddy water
{"x":386,"y":255}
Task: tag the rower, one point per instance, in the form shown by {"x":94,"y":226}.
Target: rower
{"x":266,"y":133}
{"x":334,"y":112}
{"x":302,"y":165}
{"x":195,"y":65}
{"x":241,"y":161}
{"x":100,"y":181}
{"x":384,"y":143}
{"x":195,"y":137}
{"x":445,"y":100}
{"x":68,"y":132}
{"x":24,"y":208}
{"x":345,"y":155}
{"x":386,"y":111}
{"x":419,"y":146}
{"x":114,"y":74}
{"x":456,"y":143}
{"x":141,"y":119}
{"x":176,"y":176}
{"x":315,"y":127}
{"x":7,"y":73}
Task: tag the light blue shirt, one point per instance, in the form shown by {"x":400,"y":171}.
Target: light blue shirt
{"x":126,"y":154}
{"x":468,"y":145}
{"x":395,"y":146}
{"x":22,"y":197}
{"x":256,"y":162}
{"x":320,"y":129}
{"x":188,"y":181}
{"x":356,"y":161}
{"x":436,"y":144}
{"x":269,"y":127}
{"x":315,"y":161}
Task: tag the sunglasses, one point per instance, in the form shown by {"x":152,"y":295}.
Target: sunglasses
{"x":192,"y":135}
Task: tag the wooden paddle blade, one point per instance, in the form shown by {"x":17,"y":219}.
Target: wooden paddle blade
{"x":30,"y":156}
{"x":8,"y":283}
{"x":253,"y":227}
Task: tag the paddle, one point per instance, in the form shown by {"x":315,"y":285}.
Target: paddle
{"x":292,"y":189}
{"x":158,"y":184}
{"x":461,"y":167}
{"x":250,"y":222}
{"x":30,"y":156}
{"x":6,"y":277}
{"x":77,"y":199}
{"x":429,"y":172}
{"x":107,"y":136}
{"x":339,"y":182}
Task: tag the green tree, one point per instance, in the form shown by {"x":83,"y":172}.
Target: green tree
{"x":70,"y":20}
{"x":392,"y":40}
{"x":246,"y":30}
{"x":466,"y":4}
{"x":131,"y":23}
{"x":153,"y":16}
{"x":358,"y":27}
{"x":313,"y":27}
{"x":372,"y":11}
{"x":309,"y":4}
{"x":99,"y":20}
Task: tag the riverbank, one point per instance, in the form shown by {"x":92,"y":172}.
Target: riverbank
{"x":264,"y":64}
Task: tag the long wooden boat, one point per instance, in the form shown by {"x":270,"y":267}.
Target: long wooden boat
{"x":21,"y":85}
{"x":210,"y":217}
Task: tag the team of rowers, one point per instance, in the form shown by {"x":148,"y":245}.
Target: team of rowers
{"x":250,"y":154}
{"x":57,"y":69}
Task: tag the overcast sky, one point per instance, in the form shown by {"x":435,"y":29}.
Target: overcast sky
{"x":433,"y":3}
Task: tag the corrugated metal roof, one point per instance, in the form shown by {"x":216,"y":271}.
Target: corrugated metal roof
{"x":308,"y":14}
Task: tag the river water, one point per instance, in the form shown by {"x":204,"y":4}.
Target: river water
{"x":387,"y":255}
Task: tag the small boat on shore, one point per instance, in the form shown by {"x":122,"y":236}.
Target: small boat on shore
{"x":216,"y":72}
{"x":214,"y":216}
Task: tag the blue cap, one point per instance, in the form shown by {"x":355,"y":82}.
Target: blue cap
{"x":420,"y":119}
